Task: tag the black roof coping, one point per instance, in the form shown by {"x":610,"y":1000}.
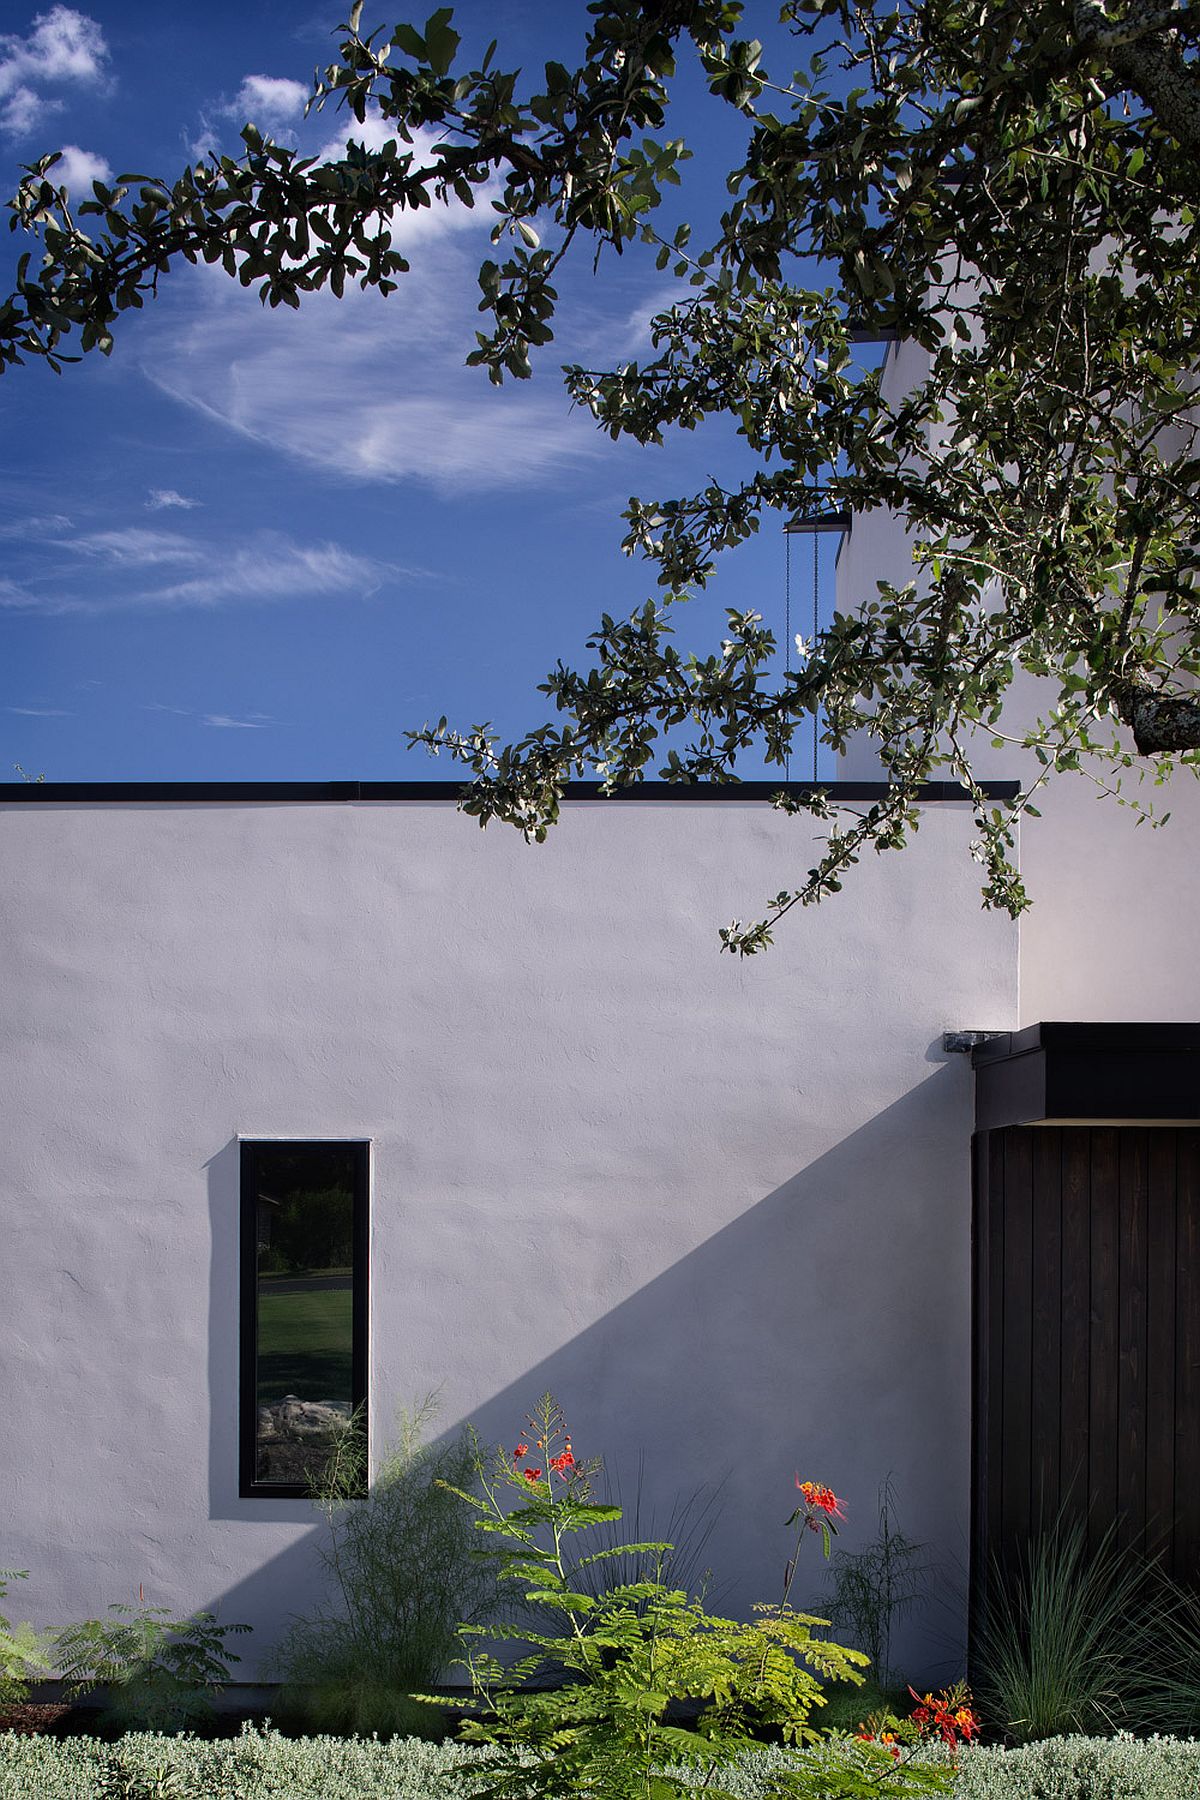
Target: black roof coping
{"x":203,"y":793}
{"x":1087,"y":1035}
{"x":1072,"y":1070}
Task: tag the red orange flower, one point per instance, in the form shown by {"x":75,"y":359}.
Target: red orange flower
{"x":532,"y":1474}
{"x":821,"y":1499}
{"x":521,"y":1450}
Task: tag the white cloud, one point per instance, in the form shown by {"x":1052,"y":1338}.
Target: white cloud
{"x":61,"y":45}
{"x":415,"y":224}
{"x":21,"y":112}
{"x":159,"y":570}
{"x":37,"y":525}
{"x":161,"y":499}
{"x":275,"y":569}
{"x":223,"y":721}
{"x":77,"y":169}
{"x":39,"y":712}
{"x":270,"y":100}
{"x":374,"y":132}
{"x":372,"y":388}
{"x":137,"y":547}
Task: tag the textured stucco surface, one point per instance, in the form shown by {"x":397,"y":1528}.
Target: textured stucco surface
{"x":1114,"y":928}
{"x":722,"y":1209}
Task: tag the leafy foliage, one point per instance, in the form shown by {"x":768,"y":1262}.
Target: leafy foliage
{"x":601,"y":1706}
{"x":22,"y":1650}
{"x":158,"y":1672}
{"x":1008,"y":185}
{"x":404,"y":1572}
{"x":875,"y":1586}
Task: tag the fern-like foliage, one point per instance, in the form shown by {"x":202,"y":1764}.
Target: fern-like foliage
{"x":158,"y":1672}
{"x":22,"y":1650}
{"x":634,"y":1691}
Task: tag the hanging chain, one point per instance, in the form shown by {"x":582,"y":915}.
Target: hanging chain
{"x":816,"y":627}
{"x":787,"y":633}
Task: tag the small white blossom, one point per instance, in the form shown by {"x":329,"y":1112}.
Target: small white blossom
{"x":804,"y":648}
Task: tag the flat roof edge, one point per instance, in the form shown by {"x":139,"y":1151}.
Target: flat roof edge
{"x":295,"y":793}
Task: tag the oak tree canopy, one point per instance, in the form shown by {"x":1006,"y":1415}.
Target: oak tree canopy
{"x":1009,"y":185}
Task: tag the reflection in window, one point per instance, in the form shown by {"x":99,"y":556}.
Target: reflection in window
{"x":303,"y":1307}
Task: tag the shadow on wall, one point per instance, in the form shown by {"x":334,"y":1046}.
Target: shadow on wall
{"x":825,"y":1331}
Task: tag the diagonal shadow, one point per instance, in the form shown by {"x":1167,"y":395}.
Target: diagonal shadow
{"x":825,"y":1330}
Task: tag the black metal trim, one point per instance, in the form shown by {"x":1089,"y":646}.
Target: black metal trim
{"x":294,"y":793}
{"x":1063,"y":1069}
{"x":248,"y":1487}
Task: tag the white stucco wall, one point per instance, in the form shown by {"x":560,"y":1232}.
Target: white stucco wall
{"x":1114,"y":929}
{"x":720,"y":1208}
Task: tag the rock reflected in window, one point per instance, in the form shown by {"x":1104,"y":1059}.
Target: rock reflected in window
{"x":304,"y":1307}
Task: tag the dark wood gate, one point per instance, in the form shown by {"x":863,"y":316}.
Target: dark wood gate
{"x":1087,"y":1339}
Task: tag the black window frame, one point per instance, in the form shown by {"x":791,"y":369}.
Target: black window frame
{"x":248,"y":1486}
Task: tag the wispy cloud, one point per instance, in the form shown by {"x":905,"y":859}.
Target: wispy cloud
{"x":183,"y":712}
{"x":162,"y":499}
{"x":276,"y":569}
{"x":371,"y":388}
{"x":59,"y":46}
{"x":270,"y":100}
{"x":36,"y":525}
{"x":136,"y":546}
{"x":224,"y":721}
{"x":134,"y":567}
{"x":39,"y":712}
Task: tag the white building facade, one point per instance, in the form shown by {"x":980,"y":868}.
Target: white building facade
{"x":722,"y":1209}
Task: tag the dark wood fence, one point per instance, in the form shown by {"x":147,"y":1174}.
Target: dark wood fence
{"x":1087,"y":1340}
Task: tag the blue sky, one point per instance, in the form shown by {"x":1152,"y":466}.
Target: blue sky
{"x":258,"y":545}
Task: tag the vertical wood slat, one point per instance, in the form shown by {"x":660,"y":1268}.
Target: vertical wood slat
{"x":1076,"y":1333}
{"x":981,"y":1388}
{"x":1046,"y":1326}
{"x":1089,"y":1403}
{"x":1160,"y":1343}
{"x":1105,"y":1371}
{"x":1133,"y":1152}
{"x":997,"y":1203}
{"x":1016,"y":1480}
{"x":1187,"y":1361}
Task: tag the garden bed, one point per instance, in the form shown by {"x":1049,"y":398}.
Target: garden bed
{"x":264,"y":1765}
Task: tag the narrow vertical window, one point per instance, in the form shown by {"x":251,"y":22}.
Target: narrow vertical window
{"x":304,"y":1308}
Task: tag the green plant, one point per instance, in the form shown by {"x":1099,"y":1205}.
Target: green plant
{"x":687,"y":1527}
{"x":158,"y":1672}
{"x":1065,"y":1646}
{"x":600,"y":1707}
{"x":847,"y":1708}
{"x":404,"y":1572}
{"x":875,"y":1586}
{"x":1168,"y":1692}
{"x":22,"y":1650}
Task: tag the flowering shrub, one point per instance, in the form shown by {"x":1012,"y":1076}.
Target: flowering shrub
{"x":947,"y":1717}
{"x":599,"y":1704}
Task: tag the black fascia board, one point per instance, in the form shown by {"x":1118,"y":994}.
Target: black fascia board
{"x":1077,"y":1070}
{"x":312,"y":793}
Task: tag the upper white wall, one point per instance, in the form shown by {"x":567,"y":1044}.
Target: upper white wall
{"x":721,"y":1208}
{"x":1114,"y":930}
